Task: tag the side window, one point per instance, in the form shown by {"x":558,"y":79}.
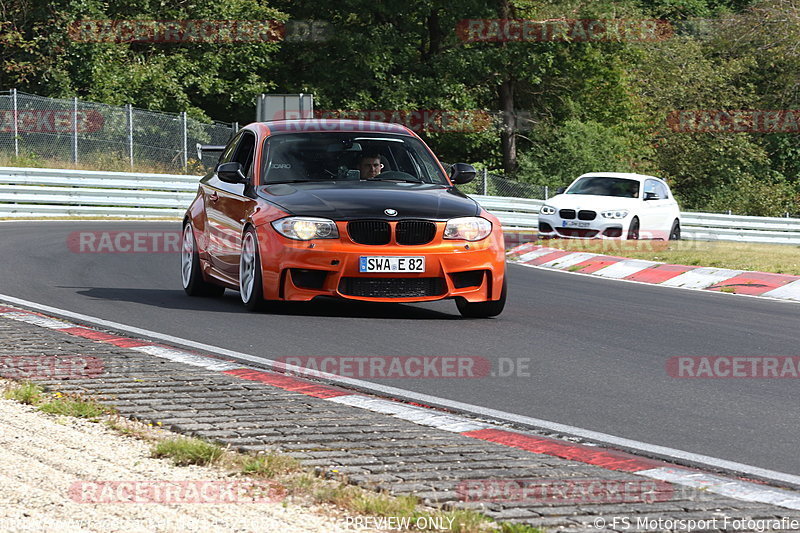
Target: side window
{"x":227,"y":154}
{"x":650,"y":186}
{"x":662,"y":191}
{"x":245,"y":152}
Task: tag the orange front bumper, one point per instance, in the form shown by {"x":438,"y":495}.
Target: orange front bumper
{"x":333,"y":265}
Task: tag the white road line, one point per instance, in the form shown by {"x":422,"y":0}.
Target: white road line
{"x":740,"y":490}
{"x":418,"y":415}
{"x":603,"y":438}
{"x":790,"y":291}
{"x":38,"y":320}
{"x":179,"y":356}
{"x":568,"y":260}
{"x":700,"y":278}
{"x":624,"y":268}
{"x":530,"y":256}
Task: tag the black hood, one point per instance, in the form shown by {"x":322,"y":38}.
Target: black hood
{"x":361,"y":199}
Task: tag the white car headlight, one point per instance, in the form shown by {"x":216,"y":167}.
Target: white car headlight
{"x":306,"y":228}
{"x":615,"y":213}
{"x":467,"y":228}
{"x":547,"y":210}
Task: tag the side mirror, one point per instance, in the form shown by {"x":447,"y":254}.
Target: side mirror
{"x":651,"y":196}
{"x":561,"y":190}
{"x":462,"y":173}
{"x":231,"y":173}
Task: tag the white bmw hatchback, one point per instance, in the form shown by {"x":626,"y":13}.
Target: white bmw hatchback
{"x":612,"y":205}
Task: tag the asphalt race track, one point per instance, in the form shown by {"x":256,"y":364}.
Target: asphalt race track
{"x":597,"y":348}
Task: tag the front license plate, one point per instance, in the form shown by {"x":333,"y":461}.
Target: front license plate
{"x":391,"y":264}
{"x":575,"y":224}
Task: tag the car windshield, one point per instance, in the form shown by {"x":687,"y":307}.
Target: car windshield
{"x":315,"y":156}
{"x":606,"y":186}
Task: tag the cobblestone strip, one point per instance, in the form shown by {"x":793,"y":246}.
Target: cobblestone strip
{"x":372,"y":449}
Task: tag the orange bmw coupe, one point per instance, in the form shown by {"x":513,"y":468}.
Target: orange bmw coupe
{"x":298,"y":209}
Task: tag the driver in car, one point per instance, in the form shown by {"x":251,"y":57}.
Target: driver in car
{"x":370,"y":165}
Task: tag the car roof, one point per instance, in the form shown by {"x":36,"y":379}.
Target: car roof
{"x":335,"y":125}
{"x":626,"y":175}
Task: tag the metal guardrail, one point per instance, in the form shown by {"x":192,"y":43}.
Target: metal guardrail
{"x":40,"y":192}
{"x":48,"y":193}
{"x":521,"y":214}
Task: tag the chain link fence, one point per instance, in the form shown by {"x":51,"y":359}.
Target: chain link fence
{"x":53,"y":130}
{"x":489,"y":184}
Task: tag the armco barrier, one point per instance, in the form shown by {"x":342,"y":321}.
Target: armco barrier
{"x":37,"y":192}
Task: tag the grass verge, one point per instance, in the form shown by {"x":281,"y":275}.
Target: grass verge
{"x":106,"y":163}
{"x":57,"y":403}
{"x":74,"y":405}
{"x":26,"y":392}
{"x":188,"y":451}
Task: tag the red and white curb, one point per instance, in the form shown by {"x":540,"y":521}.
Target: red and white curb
{"x":779,"y":286}
{"x":610,"y":459}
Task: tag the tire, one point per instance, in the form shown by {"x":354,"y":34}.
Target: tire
{"x":483,"y":309}
{"x":675,"y":232}
{"x":191,"y":276}
{"x":633,"y":230}
{"x":251,"y":288}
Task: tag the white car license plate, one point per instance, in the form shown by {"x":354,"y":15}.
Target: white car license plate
{"x":575,"y":224}
{"x":391,"y":264}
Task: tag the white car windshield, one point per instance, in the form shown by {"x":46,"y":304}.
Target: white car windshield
{"x":606,"y":186}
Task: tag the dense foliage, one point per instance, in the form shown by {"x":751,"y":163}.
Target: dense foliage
{"x":568,"y":106}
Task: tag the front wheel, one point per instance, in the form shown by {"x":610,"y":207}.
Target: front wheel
{"x":192,"y":278}
{"x":675,"y":232}
{"x":251,"y":288}
{"x":483,"y":309}
{"x":633,"y":230}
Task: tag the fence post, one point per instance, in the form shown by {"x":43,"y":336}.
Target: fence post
{"x":235,"y":127}
{"x":130,"y":133}
{"x":485,"y":181}
{"x":185,"y":142}
{"x":546,"y":192}
{"x":16,"y":123}
{"x":75,"y":129}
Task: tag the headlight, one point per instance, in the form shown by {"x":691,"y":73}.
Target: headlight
{"x":617,"y":213}
{"x":306,"y":228}
{"x":467,"y":228}
{"x":547,"y":210}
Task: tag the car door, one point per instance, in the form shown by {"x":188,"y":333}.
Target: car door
{"x":656,"y":205}
{"x":671,"y":209}
{"x":227,"y":206}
